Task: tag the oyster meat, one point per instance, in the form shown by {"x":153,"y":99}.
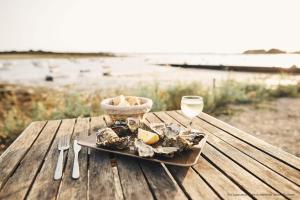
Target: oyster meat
{"x":106,"y":137}
{"x":144,"y":150}
{"x":170,"y":130}
{"x":165,"y":151}
{"x":171,"y":138}
{"x":133,"y":124}
{"x":126,"y":128}
{"x":173,"y":135}
{"x":158,"y":128}
{"x":193,"y":137}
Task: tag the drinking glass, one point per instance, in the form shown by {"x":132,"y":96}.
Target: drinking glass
{"x":191,"y":106}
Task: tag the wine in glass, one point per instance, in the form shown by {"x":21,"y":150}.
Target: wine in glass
{"x":191,"y":106}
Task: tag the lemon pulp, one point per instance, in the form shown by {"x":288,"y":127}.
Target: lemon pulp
{"x":147,"y":136}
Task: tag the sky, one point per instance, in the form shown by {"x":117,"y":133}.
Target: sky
{"x":165,"y":26}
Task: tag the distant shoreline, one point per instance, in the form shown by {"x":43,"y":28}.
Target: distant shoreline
{"x":270,"y":51}
{"x":51,"y":54}
{"x":291,"y":70}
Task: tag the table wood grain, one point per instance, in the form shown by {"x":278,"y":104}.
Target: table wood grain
{"x":233,"y":165}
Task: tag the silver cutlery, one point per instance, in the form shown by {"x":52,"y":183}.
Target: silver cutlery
{"x":63,"y":145}
{"x":75,"y":172}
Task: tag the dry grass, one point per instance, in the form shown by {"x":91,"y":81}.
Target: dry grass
{"x":19,"y":106}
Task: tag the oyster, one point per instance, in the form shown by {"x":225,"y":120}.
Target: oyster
{"x":165,"y":151}
{"x":120,"y":128}
{"x":172,"y":138}
{"x":143,"y":149}
{"x":170,"y":130}
{"x":158,"y":128}
{"x":106,"y":137}
{"x":193,"y":137}
{"x":133,"y":124}
{"x":177,"y":142}
{"x":173,"y":135}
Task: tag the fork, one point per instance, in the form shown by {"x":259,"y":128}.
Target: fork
{"x":63,"y":144}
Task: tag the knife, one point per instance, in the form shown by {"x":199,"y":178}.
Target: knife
{"x":75,"y":172}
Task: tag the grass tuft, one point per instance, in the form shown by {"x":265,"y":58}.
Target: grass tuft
{"x":19,"y":106}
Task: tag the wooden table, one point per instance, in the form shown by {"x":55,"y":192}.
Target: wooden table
{"x":233,"y":165}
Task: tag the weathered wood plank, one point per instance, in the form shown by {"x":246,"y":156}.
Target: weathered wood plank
{"x":70,"y":188}
{"x":223,"y":186}
{"x":133,"y":182}
{"x":159,"y":177}
{"x":101,"y":176}
{"x":276,"y":165}
{"x":245,"y":179}
{"x":162,"y":185}
{"x":236,"y":171}
{"x":45,"y":187}
{"x":257,"y":143}
{"x":187,"y":178}
{"x":20,"y":182}
{"x":10,"y":159}
{"x":192,"y":183}
{"x":263,"y":173}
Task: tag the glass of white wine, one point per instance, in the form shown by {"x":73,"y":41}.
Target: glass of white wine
{"x":191,"y":106}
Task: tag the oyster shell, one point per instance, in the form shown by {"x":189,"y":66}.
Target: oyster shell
{"x":171,"y":130}
{"x":165,"y":151}
{"x":173,"y":138}
{"x":133,"y":124}
{"x":173,"y":135}
{"x":106,"y":137}
{"x":193,"y":137}
{"x":158,"y":128}
{"x":177,"y":142}
{"x":144,"y":150}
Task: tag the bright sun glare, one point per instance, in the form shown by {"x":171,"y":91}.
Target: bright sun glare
{"x":149,"y":26}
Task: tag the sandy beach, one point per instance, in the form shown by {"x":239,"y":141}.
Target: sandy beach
{"x":276,"y":122}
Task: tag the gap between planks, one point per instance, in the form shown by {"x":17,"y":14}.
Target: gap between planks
{"x":10,"y":159}
{"x":170,"y":118}
{"x":261,"y":145}
{"x":277,"y":182}
{"x":285,"y":171}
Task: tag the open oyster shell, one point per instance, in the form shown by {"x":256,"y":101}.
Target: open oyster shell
{"x":144,"y":150}
{"x":173,"y":138}
{"x":192,"y":137}
{"x":170,"y":130}
{"x":106,"y":137}
{"x":133,"y":124}
{"x":165,"y":151}
{"x":173,"y":135}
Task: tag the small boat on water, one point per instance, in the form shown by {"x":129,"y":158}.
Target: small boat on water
{"x":106,"y":70}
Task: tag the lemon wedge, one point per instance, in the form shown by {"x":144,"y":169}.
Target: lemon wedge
{"x":147,"y":136}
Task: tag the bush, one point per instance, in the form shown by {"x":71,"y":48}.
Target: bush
{"x":20,"y":106}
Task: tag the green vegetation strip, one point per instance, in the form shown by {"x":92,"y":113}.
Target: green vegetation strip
{"x":19,"y":106}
